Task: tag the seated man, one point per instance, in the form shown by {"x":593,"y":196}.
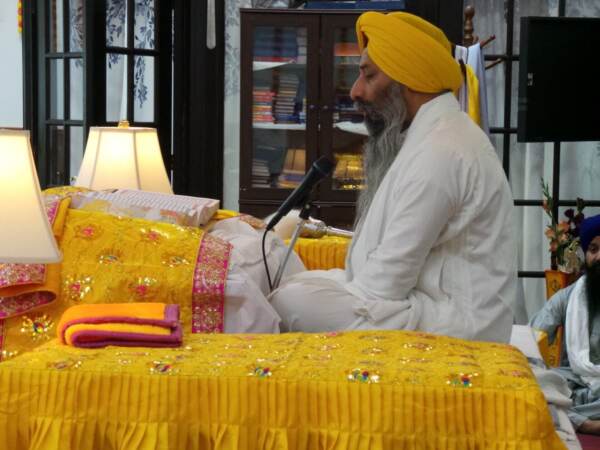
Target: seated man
{"x":577,"y":308}
{"x":434,"y":246}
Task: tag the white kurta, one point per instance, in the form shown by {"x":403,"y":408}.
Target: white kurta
{"x":246,"y":307}
{"x":436,"y":251}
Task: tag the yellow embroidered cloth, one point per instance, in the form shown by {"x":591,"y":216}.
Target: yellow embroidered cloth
{"x":355,"y":390}
{"x":109,"y":259}
{"x":327,"y":252}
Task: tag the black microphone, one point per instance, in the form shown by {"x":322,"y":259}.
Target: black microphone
{"x":319,"y":170}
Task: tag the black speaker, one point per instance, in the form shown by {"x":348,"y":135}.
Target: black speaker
{"x":559,"y":79}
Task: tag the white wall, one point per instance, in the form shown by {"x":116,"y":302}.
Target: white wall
{"x":11,"y":67}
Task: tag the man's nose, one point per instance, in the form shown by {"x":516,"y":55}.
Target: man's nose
{"x":356,"y":93}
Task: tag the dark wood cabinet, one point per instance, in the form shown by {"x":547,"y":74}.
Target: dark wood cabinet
{"x":297,"y":70}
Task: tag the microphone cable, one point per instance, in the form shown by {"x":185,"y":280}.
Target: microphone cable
{"x":264,"y":254}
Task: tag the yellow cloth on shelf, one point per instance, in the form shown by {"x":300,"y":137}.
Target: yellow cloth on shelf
{"x":409,"y":50}
{"x":328,"y":252}
{"x":357,"y":390}
{"x":107,"y":259}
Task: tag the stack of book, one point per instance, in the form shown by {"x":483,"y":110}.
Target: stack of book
{"x":284,"y":108}
{"x":261,"y":177}
{"x":301,"y":41}
{"x":345,"y":110}
{"x":346,"y":53}
{"x":262,"y":106}
{"x":275,"y":44}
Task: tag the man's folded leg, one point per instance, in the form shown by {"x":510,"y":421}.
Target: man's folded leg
{"x":317,"y":301}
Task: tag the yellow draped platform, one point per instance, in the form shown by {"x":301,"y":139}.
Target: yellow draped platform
{"x":327,"y":252}
{"x":358,"y":390}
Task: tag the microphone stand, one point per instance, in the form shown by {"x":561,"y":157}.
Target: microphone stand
{"x":304,"y":215}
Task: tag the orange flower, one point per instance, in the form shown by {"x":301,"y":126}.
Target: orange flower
{"x":564,"y":226}
{"x":550,"y":234}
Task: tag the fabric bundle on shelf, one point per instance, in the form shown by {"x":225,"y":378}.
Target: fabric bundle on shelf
{"x":123,"y":324}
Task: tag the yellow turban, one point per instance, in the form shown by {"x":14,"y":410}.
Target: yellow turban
{"x":409,"y":50}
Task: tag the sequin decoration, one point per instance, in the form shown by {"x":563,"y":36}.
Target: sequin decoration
{"x":110,"y":256}
{"x":63,"y":364}
{"x":13,"y":306}
{"x":19,"y":274}
{"x":363,"y":376}
{"x":88,"y":232}
{"x":172,"y":260}
{"x":7,"y":354}
{"x":150,"y":236}
{"x":161,"y":368}
{"x":2,"y":356}
{"x":462,"y":379}
{"x":405,"y":360}
{"x":76,"y":289}
{"x":37,"y":328}
{"x":514,"y":373}
{"x":208,"y":293}
{"x":260,"y":372}
{"x":419,"y":346}
{"x":143,"y":288}
{"x":373,"y":351}
{"x":322,"y":357}
{"x":373,"y":337}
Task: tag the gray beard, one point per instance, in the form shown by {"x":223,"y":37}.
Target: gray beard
{"x":386,"y":136}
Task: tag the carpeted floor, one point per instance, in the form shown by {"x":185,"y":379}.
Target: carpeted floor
{"x":589,"y":442}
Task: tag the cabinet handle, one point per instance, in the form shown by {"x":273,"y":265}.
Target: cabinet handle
{"x":325,"y":108}
{"x":312,"y":107}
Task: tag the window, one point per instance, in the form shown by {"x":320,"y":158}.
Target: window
{"x":91,"y":63}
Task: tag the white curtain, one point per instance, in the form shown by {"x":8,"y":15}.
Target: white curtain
{"x":580,"y":162}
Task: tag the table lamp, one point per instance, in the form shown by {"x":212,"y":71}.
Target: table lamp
{"x":25,"y":233}
{"x":123,"y":157}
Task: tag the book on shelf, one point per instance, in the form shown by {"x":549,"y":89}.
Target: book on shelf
{"x":346,"y":49}
{"x":294,"y":167}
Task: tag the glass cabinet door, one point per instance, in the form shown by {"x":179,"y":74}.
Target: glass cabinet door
{"x":279,"y":106}
{"x":277,"y":125}
{"x":343,"y":132}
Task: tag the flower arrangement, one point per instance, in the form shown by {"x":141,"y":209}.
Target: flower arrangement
{"x":564,"y":235}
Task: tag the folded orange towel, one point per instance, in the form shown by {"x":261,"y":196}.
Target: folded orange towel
{"x":125,"y":324}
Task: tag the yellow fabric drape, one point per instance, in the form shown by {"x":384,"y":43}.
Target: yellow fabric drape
{"x":109,"y":259}
{"x":409,"y":50}
{"x":473,"y":95}
{"x":337,"y":391}
{"x":328,"y":252}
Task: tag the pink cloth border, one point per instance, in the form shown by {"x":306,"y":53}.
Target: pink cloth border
{"x":208,"y":292}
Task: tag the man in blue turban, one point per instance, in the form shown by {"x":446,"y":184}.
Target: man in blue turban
{"x":577,"y":309}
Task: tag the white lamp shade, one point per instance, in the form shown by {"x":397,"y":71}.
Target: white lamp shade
{"x":123,"y":158}
{"x":25,"y":233}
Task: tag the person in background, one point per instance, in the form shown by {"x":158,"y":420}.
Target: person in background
{"x":577,"y":309}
